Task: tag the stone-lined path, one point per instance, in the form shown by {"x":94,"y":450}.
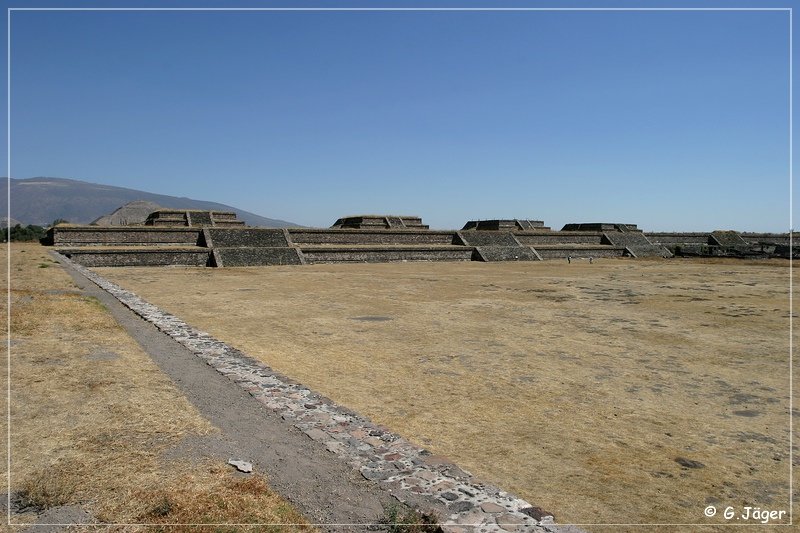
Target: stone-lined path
{"x":408,"y":472}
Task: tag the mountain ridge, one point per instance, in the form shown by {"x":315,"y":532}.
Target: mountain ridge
{"x":41,"y":200}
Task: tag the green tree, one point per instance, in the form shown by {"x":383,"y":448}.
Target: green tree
{"x":18,"y":233}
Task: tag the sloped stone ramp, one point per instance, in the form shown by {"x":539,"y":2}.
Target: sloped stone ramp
{"x":381,"y":456}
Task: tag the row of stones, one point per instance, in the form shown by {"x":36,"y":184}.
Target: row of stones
{"x":377,"y":453}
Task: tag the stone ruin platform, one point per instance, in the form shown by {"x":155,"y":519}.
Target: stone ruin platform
{"x":512,"y":224}
{"x":379,"y":222}
{"x":211,"y":241}
{"x":725,"y":244}
{"x":192,"y":218}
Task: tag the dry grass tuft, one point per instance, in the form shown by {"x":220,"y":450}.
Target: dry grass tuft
{"x":398,"y":519}
{"x":49,"y":487}
{"x":218,"y":497}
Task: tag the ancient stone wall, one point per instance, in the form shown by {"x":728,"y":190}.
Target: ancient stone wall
{"x":388,"y":237}
{"x":678,"y":238}
{"x":771,"y":238}
{"x":143,"y":257}
{"x":599,"y":226}
{"x":556,"y":237}
{"x":192,"y":217}
{"x":722,"y":243}
{"x":507,"y":253}
{"x":488,"y":238}
{"x":379,"y":222}
{"x":511,"y":224}
{"x":562,"y":252}
{"x":637,"y":244}
{"x":247,"y":237}
{"x":385,"y":255}
{"x":251,"y":256}
{"x":199,"y":218}
{"x":121,"y":236}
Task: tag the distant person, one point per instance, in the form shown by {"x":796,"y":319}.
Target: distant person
{"x":591,"y":259}
{"x":569,"y":259}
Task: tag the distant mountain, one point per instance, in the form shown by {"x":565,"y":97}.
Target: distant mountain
{"x":40,"y":201}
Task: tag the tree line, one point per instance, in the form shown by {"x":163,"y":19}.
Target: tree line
{"x":31,"y":232}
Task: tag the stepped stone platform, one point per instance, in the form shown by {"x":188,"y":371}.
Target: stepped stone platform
{"x":205,"y":238}
{"x":512,"y":224}
{"x":191,"y":218}
{"x":379,"y":221}
{"x":765,"y":238}
{"x":600,"y":226}
{"x":724,"y":243}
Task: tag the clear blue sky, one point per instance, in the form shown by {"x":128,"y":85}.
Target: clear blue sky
{"x":672,"y":120}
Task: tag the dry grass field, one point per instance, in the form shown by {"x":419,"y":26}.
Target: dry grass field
{"x":92,"y":417}
{"x":625,"y":391}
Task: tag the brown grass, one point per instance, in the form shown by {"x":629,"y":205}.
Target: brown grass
{"x":217,"y":498}
{"x":576,"y":386}
{"x":92,"y":415}
{"x":410,"y":520}
{"x":50,"y":487}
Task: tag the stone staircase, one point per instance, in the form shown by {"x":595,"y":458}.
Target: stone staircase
{"x":636,"y":243}
{"x":497,"y":246}
{"x":729,"y":239}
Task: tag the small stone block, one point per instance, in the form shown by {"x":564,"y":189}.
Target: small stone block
{"x":442,"y":486}
{"x":489,"y":507}
{"x":452,"y":528}
{"x":335,"y":446}
{"x":510,"y":522}
{"x":427,"y":475}
{"x":241,"y":466}
{"x":475,"y":517}
{"x":537,"y":513}
{"x":373,"y":475}
{"x":460,"y":507}
{"x":374,"y":442}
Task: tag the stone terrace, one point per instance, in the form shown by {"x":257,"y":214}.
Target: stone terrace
{"x":376,"y":238}
{"x":192,"y":218}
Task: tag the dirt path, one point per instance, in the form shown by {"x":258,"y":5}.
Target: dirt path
{"x":325,"y":490}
